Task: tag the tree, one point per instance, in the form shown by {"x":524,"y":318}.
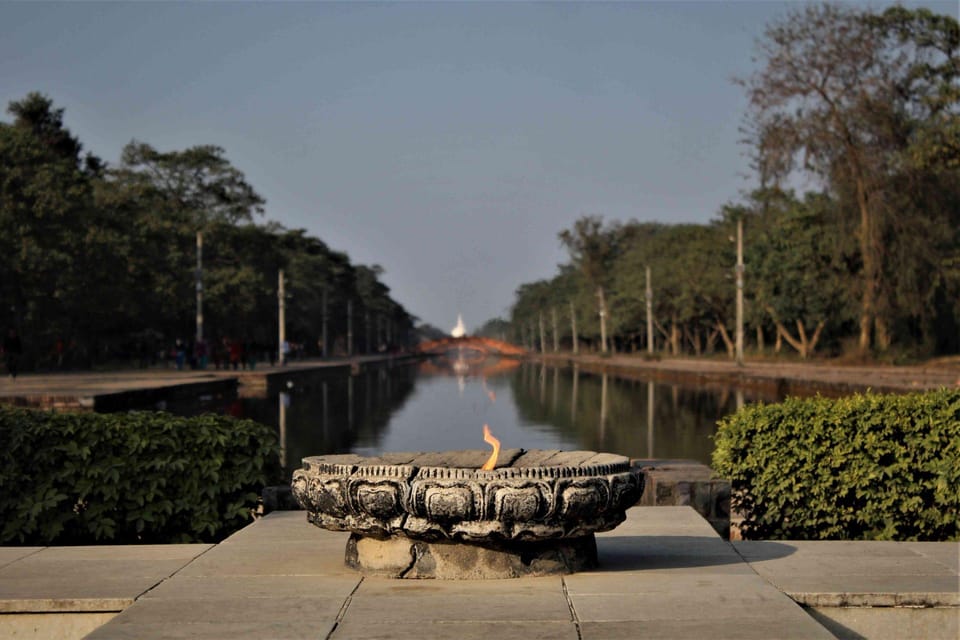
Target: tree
{"x":797,"y":269}
{"x":855,"y":94}
{"x":166,"y":198}
{"x":198,"y":183}
{"x":496,"y":328}
{"x":54,"y":265}
{"x":592,"y":250}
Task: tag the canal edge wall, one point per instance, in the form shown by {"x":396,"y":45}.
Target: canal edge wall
{"x":121,"y":390}
{"x":772,"y":379}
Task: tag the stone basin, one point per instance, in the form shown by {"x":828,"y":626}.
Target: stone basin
{"x":439,"y":515}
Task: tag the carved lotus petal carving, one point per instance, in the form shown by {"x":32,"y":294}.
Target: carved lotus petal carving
{"x":539,"y":495}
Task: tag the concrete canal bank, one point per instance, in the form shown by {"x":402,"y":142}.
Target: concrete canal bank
{"x":116,"y":390}
{"x":774,"y":378}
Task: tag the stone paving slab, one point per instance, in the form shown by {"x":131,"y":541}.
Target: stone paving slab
{"x":105,"y":578}
{"x":946,"y":554}
{"x":825,"y":573}
{"x":890,"y":623}
{"x":284,"y":578}
{"x":693,"y":627}
{"x":12,"y":554}
{"x":664,"y":573}
{"x":411,"y":601}
{"x":488,"y":630}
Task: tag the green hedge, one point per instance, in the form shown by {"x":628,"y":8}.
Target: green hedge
{"x":138,"y":477}
{"x":866,"y":467}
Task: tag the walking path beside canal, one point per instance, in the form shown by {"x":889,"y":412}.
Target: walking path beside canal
{"x":137,"y":387}
{"x":779,"y":377}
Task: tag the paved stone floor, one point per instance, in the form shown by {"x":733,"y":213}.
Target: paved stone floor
{"x":664,"y":574}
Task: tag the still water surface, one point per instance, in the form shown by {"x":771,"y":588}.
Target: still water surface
{"x":427,"y":407}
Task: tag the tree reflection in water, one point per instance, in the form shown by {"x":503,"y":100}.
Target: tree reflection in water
{"x":433,"y":406}
{"x":633,"y":417}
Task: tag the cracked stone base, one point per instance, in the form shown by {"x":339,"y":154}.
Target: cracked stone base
{"x":402,"y":557}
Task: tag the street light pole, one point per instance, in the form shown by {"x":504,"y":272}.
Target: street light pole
{"x":199,"y":279}
{"x":324,"y":353}
{"x":573,"y":328}
{"x":349,"y":328}
{"x":649,"y":296}
{"x":740,"y":292}
{"x":282,"y":317}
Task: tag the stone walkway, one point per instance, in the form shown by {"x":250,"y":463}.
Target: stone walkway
{"x":777,"y":377}
{"x":664,"y":574}
{"x":91,"y":389}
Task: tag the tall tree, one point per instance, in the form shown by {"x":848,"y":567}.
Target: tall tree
{"x":592,"y":249}
{"x":798,"y":270}
{"x":834,"y":88}
{"x":199,"y":182}
{"x":53,"y":262}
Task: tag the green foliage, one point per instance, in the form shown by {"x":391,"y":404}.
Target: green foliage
{"x":871,"y":104}
{"x":138,"y":477}
{"x":875,"y":467}
{"x":868,"y":104}
{"x":103,"y":259}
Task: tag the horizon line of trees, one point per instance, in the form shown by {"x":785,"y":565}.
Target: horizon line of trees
{"x":99,"y":262}
{"x":866,"y":104}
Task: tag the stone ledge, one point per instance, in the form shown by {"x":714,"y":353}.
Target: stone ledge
{"x":682,"y":483}
{"x":64,"y":605}
{"x":920,"y":599}
{"x":888,"y":623}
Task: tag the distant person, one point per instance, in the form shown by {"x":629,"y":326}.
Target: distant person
{"x":200,"y":353}
{"x":12,"y":350}
{"x":180,"y":353}
{"x":236,"y":354}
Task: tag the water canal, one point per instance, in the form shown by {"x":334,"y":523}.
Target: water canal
{"x":427,"y":406}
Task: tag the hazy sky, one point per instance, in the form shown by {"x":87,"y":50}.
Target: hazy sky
{"x":447,"y":142}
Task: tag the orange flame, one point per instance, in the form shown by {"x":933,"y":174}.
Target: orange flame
{"x":493,"y":442}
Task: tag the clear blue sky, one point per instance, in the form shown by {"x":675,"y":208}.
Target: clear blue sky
{"x":447,"y":142}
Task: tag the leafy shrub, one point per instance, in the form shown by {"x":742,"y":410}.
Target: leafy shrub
{"x":75,"y":478}
{"x":884,"y":467}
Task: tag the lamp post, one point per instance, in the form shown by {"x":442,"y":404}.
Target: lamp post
{"x":739,"y":292}
{"x":199,"y":278}
{"x":573,"y":328}
{"x":349,"y":328}
{"x":282,"y":318}
{"x":649,"y":299}
{"x":324,"y":329}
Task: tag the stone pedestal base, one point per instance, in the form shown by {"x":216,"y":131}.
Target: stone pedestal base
{"x":402,"y":557}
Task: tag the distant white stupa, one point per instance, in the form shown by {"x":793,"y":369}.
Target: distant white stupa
{"x":459,"y":331}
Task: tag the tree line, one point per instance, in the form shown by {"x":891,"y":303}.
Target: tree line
{"x":867,"y":106}
{"x":99,"y":262}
